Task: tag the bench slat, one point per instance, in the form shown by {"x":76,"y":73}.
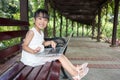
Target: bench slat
{"x":11,"y":22}
{"x":34,"y":73}
{"x":12,"y":34}
{"x":55,"y":71}
{"x":24,"y":73}
{"x":44,"y":71}
{"x":49,"y":71}
{"x":9,"y":51}
{"x":12,"y":71}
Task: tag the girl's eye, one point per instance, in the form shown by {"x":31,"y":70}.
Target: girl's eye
{"x":40,"y":18}
{"x":45,"y":19}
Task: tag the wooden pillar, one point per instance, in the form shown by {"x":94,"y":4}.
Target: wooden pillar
{"x":46,"y":7}
{"x":82,"y":30}
{"x":46,"y":4}
{"x":77,"y":29}
{"x":66,"y":27}
{"x":72,"y":27}
{"x":99,"y":24}
{"x":61,"y":25}
{"x":87,"y":30}
{"x":24,"y":12}
{"x":54,"y":22}
{"x":93,"y":29}
{"x":114,"y":32}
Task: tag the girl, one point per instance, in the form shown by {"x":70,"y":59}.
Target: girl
{"x":34,"y":43}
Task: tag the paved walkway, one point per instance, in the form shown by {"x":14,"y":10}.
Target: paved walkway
{"x":104,"y":61}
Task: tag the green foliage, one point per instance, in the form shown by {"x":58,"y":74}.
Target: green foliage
{"x":10,"y":28}
{"x":107,"y":20}
{"x":8,"y":43}
{"x":8,"y":8}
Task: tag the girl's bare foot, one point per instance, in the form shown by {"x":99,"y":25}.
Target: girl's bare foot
{"x":83,"y":66}
{"x":81,"y":74}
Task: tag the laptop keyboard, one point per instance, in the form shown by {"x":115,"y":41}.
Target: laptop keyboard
{"x":56,"y":50}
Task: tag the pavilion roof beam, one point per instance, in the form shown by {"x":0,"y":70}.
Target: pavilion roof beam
{"x":79,"y":9}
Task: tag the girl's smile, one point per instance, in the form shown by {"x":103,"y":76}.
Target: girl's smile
{"x":41,"y":22}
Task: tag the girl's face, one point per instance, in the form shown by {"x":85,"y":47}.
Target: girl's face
{"x":40,"y":21}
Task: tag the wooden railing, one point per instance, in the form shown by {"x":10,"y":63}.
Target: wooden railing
{"x":7,"y":35}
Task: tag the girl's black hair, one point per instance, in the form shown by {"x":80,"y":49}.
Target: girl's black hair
{"x":42,"y":11}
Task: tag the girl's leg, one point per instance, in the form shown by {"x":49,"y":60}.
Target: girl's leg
{"x":68,"y":61}
{"x":73,"y":71}
{"x":72,"y":66}
{"x":67,"y":65}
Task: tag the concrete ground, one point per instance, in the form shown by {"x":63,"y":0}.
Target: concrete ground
{"x":104,"y":61}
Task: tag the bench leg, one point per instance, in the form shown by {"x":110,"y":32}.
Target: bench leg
{"x":64,"y":73}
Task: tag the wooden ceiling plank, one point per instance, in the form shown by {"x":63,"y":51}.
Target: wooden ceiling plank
{"x":83,"y":11}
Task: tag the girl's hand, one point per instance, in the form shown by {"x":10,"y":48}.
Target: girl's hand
{"x":37,"y":50}
{"x":53,"y":44}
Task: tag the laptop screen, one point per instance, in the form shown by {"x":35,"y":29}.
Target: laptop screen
{"x":69,"y":37}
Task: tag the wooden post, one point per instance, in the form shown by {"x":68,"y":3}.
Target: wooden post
{"x":99,"y":25}
{"x":72,"y":27}
{"x":93,"y":29}
{"x":24,"y":12}
{"x":82,"y":30}
{"x":77,"y":29}
{"x":87,"y":30}
{"x":66,"y":27}
{"x":46,"y":7}
{"x":115,"y":23}
{"x":61,"y":25}
{"x":54,"y":22}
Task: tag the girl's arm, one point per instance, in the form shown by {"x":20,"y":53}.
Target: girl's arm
{"x":52,"y":43}
{"x":26,"y":42}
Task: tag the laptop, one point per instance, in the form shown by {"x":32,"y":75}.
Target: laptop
{"x":57,"y":50}
{"x":61,"y":49}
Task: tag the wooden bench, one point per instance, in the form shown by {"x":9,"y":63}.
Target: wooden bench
{"x":18,"y":71}
{"x":49,"y":71}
